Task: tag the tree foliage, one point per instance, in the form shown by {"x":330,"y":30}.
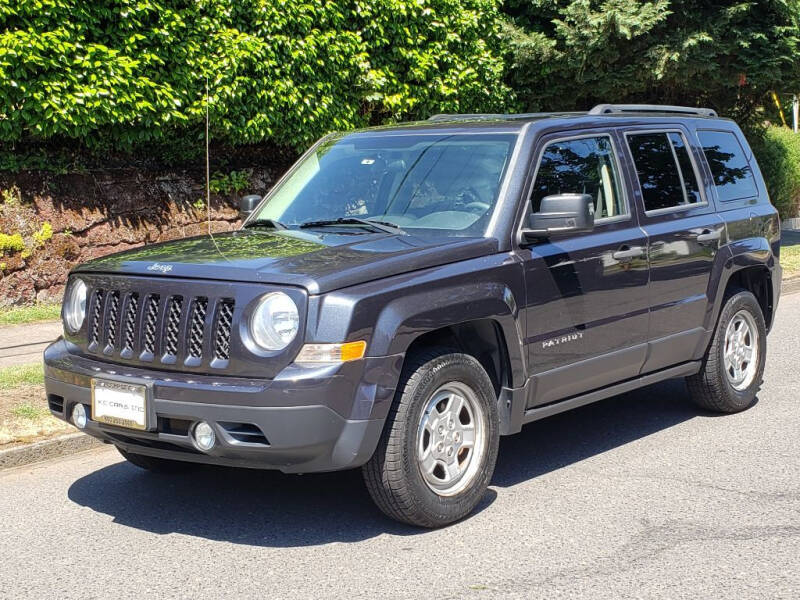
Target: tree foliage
{"x":132,"y":73}
{"x":571,"y":54}
{"x":778,"y":152}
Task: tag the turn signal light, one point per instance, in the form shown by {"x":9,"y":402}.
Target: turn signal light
{"x":332,"y":353}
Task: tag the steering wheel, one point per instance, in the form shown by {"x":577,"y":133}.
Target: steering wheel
{"x":469,"y":199}
{"x":478,"y":208}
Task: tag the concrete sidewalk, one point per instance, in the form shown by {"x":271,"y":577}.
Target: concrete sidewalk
{"x":24,"y":344}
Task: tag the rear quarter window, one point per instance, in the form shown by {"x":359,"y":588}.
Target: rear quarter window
{"x":732,"y":174}
{"x":666,"y":176}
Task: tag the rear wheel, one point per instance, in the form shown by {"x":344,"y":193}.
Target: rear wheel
{"x":734,"y":364}
{"x":438,"y":450}
{"x":155,"y":464}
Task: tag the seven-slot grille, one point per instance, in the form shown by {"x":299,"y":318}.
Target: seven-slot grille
{"x":157,"y":328}
{"x":196,"y":327}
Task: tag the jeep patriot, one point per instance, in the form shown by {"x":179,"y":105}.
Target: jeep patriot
{"x":406,"y":295}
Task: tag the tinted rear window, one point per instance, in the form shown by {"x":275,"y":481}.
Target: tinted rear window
{"x":664,"y":169}
{"x":733,"y":176}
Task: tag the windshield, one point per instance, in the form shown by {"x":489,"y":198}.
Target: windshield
{"x":443,"y":183}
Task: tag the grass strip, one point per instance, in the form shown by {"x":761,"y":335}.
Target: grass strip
{"x":18,"y":315}
{"x":790,"y":260}
{"x":18,"y":375}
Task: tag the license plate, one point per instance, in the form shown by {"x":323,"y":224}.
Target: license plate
{"x":120,"y":404}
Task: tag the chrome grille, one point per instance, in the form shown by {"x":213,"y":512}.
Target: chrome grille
{"x":222,"y":337}
{"x":138,"y":326}
{"x":196,"y":327}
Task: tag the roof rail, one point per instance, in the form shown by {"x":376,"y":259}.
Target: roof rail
{"x":493,"y":116}
{"x":609,"y":109}
{"x":458,"y":117}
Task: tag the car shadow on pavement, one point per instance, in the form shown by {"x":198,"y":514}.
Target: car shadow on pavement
{"x":570,"y":437}
{"x":268,"y":508}
{"x":240,"y":506}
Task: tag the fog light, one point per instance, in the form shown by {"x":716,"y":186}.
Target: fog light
{"x":204,"y":436}
{"x":79,"y":416}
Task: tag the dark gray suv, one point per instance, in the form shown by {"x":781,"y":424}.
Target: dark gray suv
{"x":406,"y":295}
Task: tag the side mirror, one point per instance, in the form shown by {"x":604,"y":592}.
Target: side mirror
{"x":559,"y":214}
{"x":247,"y":204}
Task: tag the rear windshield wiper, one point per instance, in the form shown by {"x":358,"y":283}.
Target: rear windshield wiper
{"x":265,"y":223}
{"x":384,"y":226}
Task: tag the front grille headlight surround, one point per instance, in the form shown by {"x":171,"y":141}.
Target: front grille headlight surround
{"x":73,"y":310}
{"x":274,"y":322}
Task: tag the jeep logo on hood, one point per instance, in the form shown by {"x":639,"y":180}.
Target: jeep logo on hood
{"x":160,"y":267}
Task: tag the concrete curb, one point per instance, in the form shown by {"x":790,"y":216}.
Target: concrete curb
{"x":47,"y":449}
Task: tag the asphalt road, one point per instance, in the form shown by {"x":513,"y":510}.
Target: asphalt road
{"x":639,"y":496}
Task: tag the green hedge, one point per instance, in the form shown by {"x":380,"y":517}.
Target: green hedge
{"x":129,"y":74}
{"x":778,"y":152}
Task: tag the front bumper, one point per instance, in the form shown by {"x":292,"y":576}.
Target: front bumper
{"x":322,"y":418}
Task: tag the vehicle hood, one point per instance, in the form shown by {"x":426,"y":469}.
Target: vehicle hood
{"x":319,"y":262}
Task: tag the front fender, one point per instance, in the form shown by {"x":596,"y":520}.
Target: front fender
{"x":404,"y":319}
{"x":391,"y":313}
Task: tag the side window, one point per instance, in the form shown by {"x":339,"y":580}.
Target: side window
{"x":733,"y":176}
{"x":687,"y":170}
{"x":664,"y":169}
{"x":582,"y":166}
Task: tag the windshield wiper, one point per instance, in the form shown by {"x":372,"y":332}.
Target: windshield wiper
{"x":265,"y":223}
{"x":384,"y":226}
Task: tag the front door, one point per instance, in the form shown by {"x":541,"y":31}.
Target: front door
{"x":587,"y":302}
{"x":684,"y":233}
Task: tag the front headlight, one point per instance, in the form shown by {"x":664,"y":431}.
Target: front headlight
{"x":274,"y":322}
{"x":75,"y":306}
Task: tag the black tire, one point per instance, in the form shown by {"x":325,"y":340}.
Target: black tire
{"x":155,"y":464}
{"x":711,"y":387}
{"x":393,"y":476}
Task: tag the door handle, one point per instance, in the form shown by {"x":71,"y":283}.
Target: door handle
{"x":628,"y":253}
{"x":708,"y":235}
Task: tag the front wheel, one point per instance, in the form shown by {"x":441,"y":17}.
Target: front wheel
{"x":734,"y":363}
{"x":438,"y":450}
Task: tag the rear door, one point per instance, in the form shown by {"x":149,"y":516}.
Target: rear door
{"x":587,"y":299}
{"x":684,"y":234}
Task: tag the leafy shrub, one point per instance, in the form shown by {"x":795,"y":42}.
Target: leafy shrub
{"x":10,"y":196}
{"x":233,"y":182}
{"x":11,"y":243}
{"x":128,"y":74}
{"x":777,"y":150}
{"x":45,"y":233}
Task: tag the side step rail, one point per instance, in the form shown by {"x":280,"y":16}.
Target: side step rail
{"x":541,"y":412}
